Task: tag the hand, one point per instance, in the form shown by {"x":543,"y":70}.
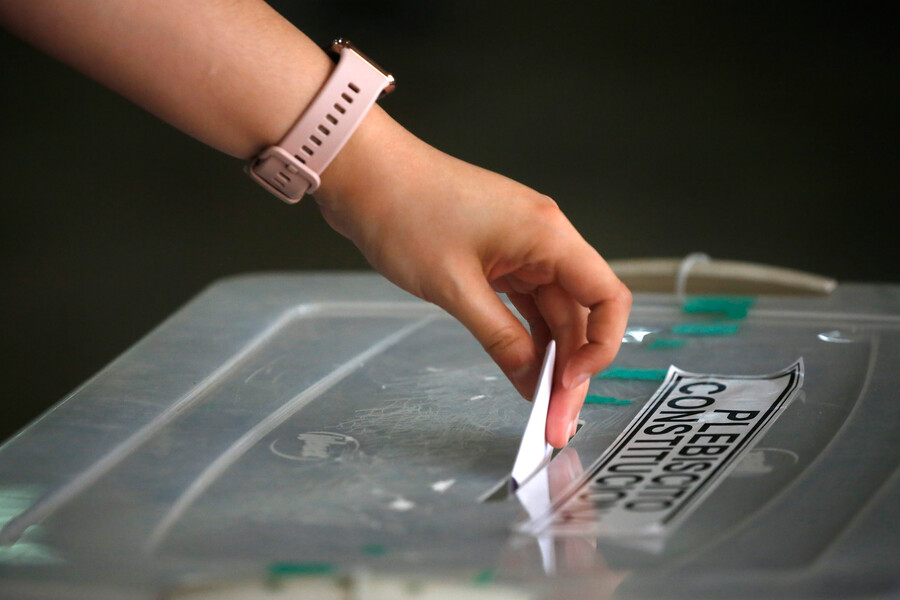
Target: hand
{"x":454,"y":234}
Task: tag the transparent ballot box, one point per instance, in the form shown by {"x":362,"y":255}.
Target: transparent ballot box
{"x":329,"y":436}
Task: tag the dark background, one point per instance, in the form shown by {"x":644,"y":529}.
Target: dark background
{"x":758,"y":132}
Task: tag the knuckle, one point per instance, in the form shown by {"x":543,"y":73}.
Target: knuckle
{"x":503,"y":345}
{"x":550,"y":214}
{"x":623,"y":296}
{"x":548,"y":201}
{"x":619,"y":295}
{"x":553,"y":229}
{"x":500,"y":340}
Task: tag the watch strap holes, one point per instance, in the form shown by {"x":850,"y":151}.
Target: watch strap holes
{"x":307,"y":149}
{"x":353,"y":87}
{"x":324,"y":130}
{"x":331,"y":118}
{"x":281,"y":179}
{"x":339,"y":108}
{"x":300,"y":158}
{"x":315,"y":140}
{"x":347,"y":97}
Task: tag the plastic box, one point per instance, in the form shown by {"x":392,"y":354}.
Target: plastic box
{"x":333,"y":436}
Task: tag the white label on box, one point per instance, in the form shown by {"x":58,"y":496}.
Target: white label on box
{"x":681,"y":444}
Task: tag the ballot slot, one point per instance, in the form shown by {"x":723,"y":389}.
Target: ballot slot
{"x":501,"y":490}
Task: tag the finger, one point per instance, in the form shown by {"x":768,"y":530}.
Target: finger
{"x":540,"y":333}
{"x":475,"y":304}
{"x":501,"y":286}
{"x":562,"y":415}
{"x":517,"y":284}
{"x":566,"y":320}
{"x":590,"y":281}
{"x":511,"y":284}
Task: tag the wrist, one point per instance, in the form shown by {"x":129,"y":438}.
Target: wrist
{"x":378,"y":162}
{"x":359,"y":161}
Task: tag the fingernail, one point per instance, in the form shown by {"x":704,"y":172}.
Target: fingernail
{"x":572,"y":429}
{"x":578,"y":380}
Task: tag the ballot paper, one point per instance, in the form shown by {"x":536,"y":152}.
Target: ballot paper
{"x":534,"y":449}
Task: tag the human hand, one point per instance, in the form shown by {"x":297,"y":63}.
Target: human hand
{"x":454,"y":234}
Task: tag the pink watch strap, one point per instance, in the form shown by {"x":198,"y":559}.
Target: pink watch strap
{"x":292,"y":168}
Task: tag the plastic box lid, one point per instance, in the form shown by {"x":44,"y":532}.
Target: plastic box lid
{"x":329,"y":434}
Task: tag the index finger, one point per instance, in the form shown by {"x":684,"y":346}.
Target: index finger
{"x":584,"y":274}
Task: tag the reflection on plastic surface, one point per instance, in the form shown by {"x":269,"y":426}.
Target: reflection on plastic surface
{"x":245,"y":442}
{"x":315,"y":445}
{"x":636,"y":335}
{"x":288,"y":581}
{"x":569,"y":555}
{"x":538,"y":493}
{"x":835,"y":336}
{"x":762,"y":461}
{"x":29,"y":549}
{"x":401,"y":504}
{"x":442,"y":486}
{"x":534,"y":495}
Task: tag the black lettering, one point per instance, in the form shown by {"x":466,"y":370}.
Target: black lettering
{"x":664,"y":429}
{"x":654,"y":457}
{"x":652,"y":505}
{"x":682,"y":467}
{"x":702,"y":450}
{"x":670,"y":441}
{"x":712,"y":438}
{"x":609,"y":480}
{"x":689,"y":388}
{"x":739,"y":415}
{"x":679,"y":402}
{"x":631,"y":468}
{"x":679,"y":479}
{"x":680,"y":416}
{"x":708,"y":426}
{"x":602,"y":498}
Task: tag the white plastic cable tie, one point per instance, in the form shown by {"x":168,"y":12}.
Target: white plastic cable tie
{"x":684,"y":269}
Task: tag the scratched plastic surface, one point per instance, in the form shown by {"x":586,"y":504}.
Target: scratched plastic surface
{"x":316,"y":420}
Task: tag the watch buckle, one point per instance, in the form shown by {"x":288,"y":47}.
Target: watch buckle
{"x":282,"y":181}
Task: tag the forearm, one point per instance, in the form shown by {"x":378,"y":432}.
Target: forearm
{"x":232,"y":73}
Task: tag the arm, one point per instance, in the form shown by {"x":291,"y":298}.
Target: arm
{"x":444,"y":230}
{"x":233,"y":74}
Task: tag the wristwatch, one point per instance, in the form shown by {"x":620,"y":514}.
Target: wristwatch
{"x":292,"y":168}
